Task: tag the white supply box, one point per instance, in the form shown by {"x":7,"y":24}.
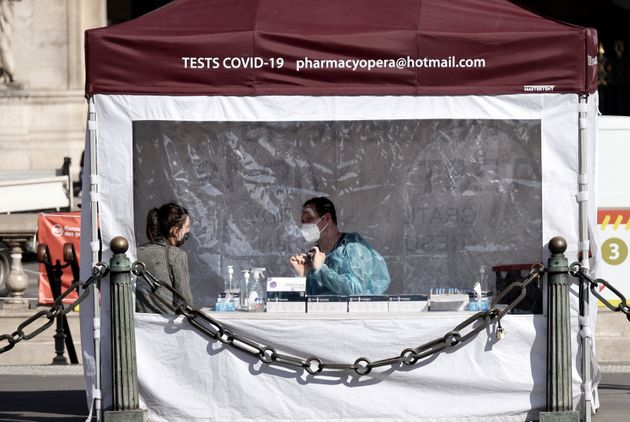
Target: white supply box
{"x":286,"y":294}
{"x":279,"y":305}
{"x":367,"y":303}
{"x":448,"y":302}
{"x":327,"y":304}
{"x":286,"y":284}
{"x":408,"y":303}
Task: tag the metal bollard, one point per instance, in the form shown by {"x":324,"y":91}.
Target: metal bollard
{"x":54,"y":272}
{"x":125,"y":405}
{"x":559,"y":371}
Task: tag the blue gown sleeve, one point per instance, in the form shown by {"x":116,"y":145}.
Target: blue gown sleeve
{"x":357,"y":270}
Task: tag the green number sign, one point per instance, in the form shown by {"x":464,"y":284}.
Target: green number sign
{"x":614,"y":251}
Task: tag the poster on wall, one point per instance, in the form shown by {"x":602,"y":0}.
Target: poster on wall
{"x":438,"y":198}
{"x":614,"y":225}
{"x":55,"y":230}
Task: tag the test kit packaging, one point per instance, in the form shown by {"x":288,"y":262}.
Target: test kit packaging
{"x":286,"y":302}
{"x":485,"y":294}
{"x":448,"y":302}
{"x":286,"y":294}
{"x":286,"y":284}
{"x":367,"y":303}
{"x":408,"y":303}
{"x":326,"y":304}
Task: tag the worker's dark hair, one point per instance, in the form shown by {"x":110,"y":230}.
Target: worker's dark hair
{"x":160,"y":221}
{"x":322,"y":206}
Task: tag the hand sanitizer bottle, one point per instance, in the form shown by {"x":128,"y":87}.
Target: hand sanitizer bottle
{"x":244,"y":296}
{"x":230,"y":278}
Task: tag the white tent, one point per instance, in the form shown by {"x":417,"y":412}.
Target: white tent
{"x":171,"y":126}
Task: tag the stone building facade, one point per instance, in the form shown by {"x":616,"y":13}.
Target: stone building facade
{"x":43,"y":110}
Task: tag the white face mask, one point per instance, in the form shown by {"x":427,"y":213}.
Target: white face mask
{"x":311,"y":232}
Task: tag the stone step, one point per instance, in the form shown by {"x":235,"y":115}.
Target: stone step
{"x":612,"y":349}
{"x":40,"y":350}
{"x":612,"y":337}
{"x":611,"y":323}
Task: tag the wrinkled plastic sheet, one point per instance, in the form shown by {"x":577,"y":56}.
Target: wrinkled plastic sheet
{"x":438,"y":198}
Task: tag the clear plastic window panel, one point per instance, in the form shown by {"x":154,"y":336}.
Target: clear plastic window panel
{"x":439,"y":199}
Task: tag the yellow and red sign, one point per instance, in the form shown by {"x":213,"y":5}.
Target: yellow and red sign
{"x":55,"y":230}
{"x":615,"y":238}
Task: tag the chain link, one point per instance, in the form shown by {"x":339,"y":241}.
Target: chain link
{"x":361,"y":366}
{"x":99,"y":271}
{"x":578,"y":270}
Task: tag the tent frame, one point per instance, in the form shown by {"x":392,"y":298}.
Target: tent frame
{"x":95,"y":249}
{"x":583,"y":251}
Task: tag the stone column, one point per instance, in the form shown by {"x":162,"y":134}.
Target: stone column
{"x":17,"y":282}
{"x":559,"y":373}
{"x":125,"y":405}
{"x":7,"y":60}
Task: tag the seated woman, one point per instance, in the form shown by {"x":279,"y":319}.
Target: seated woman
{"x":167,"y":229}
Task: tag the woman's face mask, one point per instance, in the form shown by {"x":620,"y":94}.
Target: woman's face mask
{"x":176,"y":239}
{"x":181,"y":241}
{"x":311,"y":232}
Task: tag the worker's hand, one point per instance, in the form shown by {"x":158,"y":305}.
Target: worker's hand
{"x":318,"y":257}
{"x":299,"y":264}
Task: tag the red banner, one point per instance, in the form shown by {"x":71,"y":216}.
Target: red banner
{"x":55,"y":230}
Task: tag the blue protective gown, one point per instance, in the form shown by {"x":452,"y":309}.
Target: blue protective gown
{"x":353,"y":267}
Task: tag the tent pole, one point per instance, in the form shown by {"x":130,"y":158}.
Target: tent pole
{"x":95,"y":247}
{"x":584,"y":247}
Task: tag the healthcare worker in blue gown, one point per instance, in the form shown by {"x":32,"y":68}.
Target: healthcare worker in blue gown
{"x":339,"y":263}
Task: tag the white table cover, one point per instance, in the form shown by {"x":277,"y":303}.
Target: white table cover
{"x":185,"y":376}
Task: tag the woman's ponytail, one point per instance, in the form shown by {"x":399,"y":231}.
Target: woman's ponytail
{"x":153,"y":225}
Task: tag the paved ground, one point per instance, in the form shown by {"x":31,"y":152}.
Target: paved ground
{"x":54,"y":393}
{"x":614,"y":395}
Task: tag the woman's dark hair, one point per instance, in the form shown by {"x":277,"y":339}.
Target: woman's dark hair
{"x":322,"y":206}
{"x":160,"y":221}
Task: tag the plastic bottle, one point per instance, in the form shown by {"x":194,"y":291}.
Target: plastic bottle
{"x":230,"y":278}
{"x":244,"y":296}
{"x":228,"y":302}
{"x":257,"y":289}
{"x":483,"y":303}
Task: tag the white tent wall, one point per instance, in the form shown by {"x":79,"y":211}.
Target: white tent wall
{"x":522,"y":389}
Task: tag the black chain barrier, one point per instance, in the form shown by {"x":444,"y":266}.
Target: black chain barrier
{"x":578,"y":270}
{"x":99,"y":271}
{"x":361,"y":366}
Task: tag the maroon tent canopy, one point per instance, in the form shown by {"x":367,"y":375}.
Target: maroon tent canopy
{"x":349,"y":47}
